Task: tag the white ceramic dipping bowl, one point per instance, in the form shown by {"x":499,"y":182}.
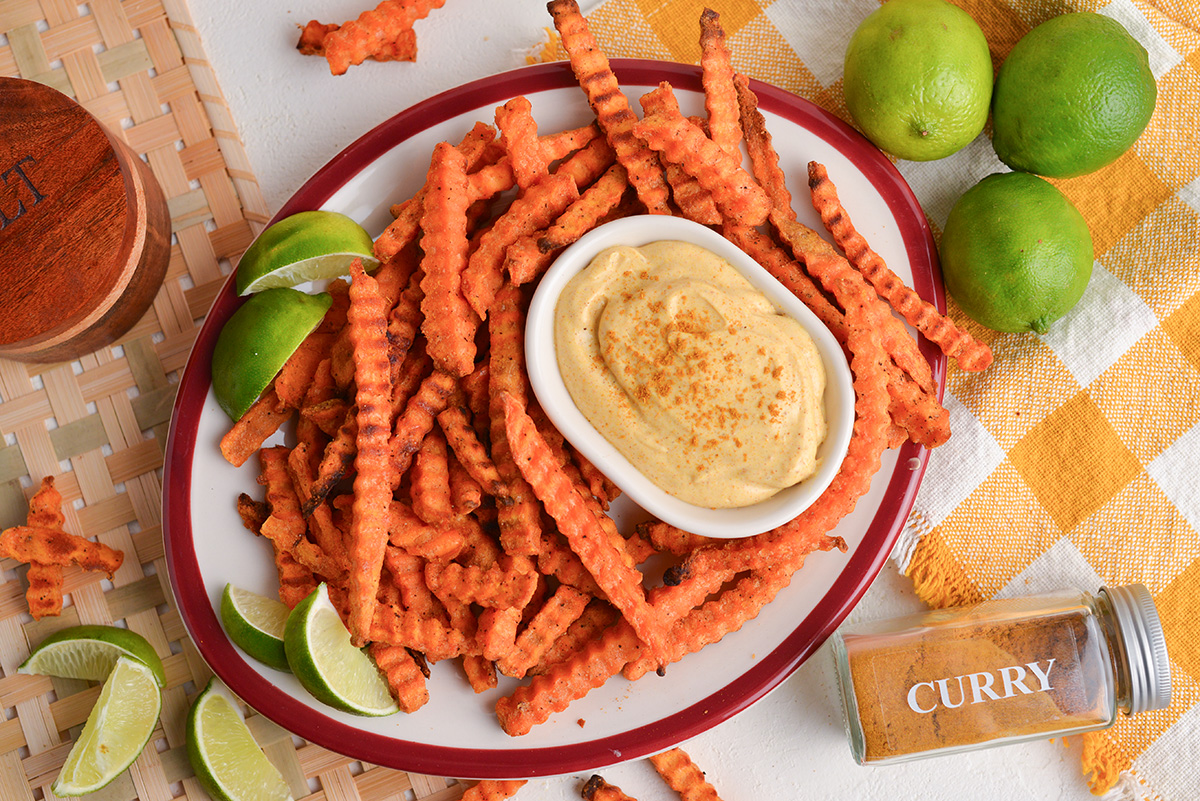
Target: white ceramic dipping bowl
{"x":552,"y":393}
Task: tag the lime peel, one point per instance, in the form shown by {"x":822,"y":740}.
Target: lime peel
{"x":302,"y":247}
{"x":89,"y":652}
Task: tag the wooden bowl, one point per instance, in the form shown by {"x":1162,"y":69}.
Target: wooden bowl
{"x":85,"y":234}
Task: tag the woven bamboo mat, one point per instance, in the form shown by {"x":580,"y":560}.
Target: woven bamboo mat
{"x":99,"y":424}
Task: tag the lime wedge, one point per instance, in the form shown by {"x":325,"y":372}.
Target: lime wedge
{"x":255,"y":624}
{"x":328,"y":665}
{"x":257,"y":339}
{"x":89,"y":652}
{"x":116,"y":731}
{"x":304,"y":247}
{"x":228,"y":763}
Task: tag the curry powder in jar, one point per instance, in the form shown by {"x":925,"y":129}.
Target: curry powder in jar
{"x":1001,"y":671}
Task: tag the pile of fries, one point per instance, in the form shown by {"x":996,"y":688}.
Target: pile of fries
{"x":43,"y":545}
{"x":426,"y":487}
{"x":383,"y":33}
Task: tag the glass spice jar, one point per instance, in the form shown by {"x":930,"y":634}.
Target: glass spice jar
{"x":1002,"y":671}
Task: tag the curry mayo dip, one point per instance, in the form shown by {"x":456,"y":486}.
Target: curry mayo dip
{"x":690,"y":372}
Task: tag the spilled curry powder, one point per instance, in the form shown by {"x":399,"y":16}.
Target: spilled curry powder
{"x":965,"y":679}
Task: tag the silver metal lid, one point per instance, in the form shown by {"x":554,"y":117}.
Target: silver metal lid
{"x":1145,"y":647}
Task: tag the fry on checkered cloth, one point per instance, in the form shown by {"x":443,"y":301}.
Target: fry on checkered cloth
{"x":356,"y":40}
{"x":616,"y":118}
{"x":404,"y":678}
{"x":493,"y":790}
{"x":518,"y":136}
{"x":970,"y":353}
{"x":520,"y":517}
{"x":373,"y":482}
{"x":252,"y":429}
{"x":449,"y":325}
{"x":737,"y":195}
{"x":716,"y":76}
{"x":621,"y":582}
{"x":684,"y":777}
{"x":597,"y":789}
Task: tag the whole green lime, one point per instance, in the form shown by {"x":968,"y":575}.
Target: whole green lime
{"x":256,"y":341}
{"x":1073,"y":95}
{"x":1016,"y":254}
{"x":918,"y":78}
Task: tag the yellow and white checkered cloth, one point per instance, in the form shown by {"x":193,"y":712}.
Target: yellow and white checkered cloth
{"x":1075,"y":458}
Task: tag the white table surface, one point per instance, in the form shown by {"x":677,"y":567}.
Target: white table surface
{"x":294,"y":116}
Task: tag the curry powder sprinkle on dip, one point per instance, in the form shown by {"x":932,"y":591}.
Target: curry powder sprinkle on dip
{"x":691,"y":373}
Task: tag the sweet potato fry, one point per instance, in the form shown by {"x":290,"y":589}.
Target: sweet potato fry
{"x":481,"y":673}
{"x":621,"y":582}
{"x":508,"y":583}
{"x":415,"y":536}
{"x":560,"y":611}
{"x":450,"y":324}
{"x":404,"y":678}
{"x":616,"y":118}
{"x":402,"y":48}
{"x":403,"y":230}
{"x":261,"y":420}
{"x":764,"y":161}
{"x":418,"y":419}
{"x":540,"y":205}
{"x":970,"y":353}
{"x":716,"y":76}
{"x":469,"y":451}
{"x":424,"y":633}
{"x":337,"y":459}
{"x":50,"y":546}
{"x":598,"y":661}
{"x":597,"y":789}
{"x":466,"y":494}
{"x":737,"y":195}
{"x":683,"y":776}
{"x":518,"y":136}
{"x":44,"y":595}
{"x":355,"y":41}
{"x":694,"y":201}
{"x":373,"y":482}
{"x":497,"y":633}
{"x":493,"y":790}
{"x":430,"y":477}
{"x":596,"y":201}
{"x":597,"y":616}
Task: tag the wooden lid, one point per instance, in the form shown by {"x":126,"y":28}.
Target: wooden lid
{"x":84,"y":228}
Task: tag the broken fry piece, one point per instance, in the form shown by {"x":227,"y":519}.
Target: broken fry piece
{"x":356,"y":41}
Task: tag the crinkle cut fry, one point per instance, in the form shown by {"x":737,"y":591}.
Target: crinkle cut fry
{"x":402,"y":231}
{"x":598,"y":661}
{"x":519,"y":137}
{"x":527,"y":259}
{"x":450,"y":323}
{"x":597,"y":789}
{"x":355,"y":41}
{"x":493,"y":790}
{"x":538,"y":207}
{"x":764,"y":160}
{"x":970,"y":353}
{"x":616,"y":118}
{"x":737,"y":195}
{"x":373,"y":467}
{"x":402,"y":48}
{"x":693,"y":200}
{"x":558,"y":612}
{"x":404,"y":678}
{"x":56,"y":547}
{"x":520,"y":517}
{"x":429,"y":477}
{"x":44,"y":594}
{"x":469,"y":451}
{"x":788,"y":272}
{"x":683,"y":776}
{"x":507,"y":583}
{"x":418,"y":419}
{"x":261,"y":420}
{"x":466,"y":494}
{"x":620,"y":580}
{"x":716,"y":76}
{"x":597,"y":616}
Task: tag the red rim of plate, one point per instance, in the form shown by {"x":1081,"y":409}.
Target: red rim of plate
{"x":868,"y":558}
